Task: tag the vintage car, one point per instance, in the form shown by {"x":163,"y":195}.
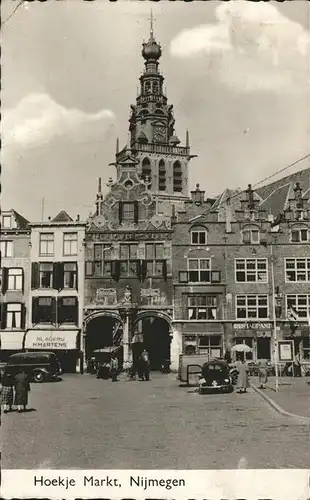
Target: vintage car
{"x":40,"y":366}
{"x":215,"y":376}
{"x":102,"y":359}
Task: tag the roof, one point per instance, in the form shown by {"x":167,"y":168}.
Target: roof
{"x":62,"y":217}
{"x":303,"y":177}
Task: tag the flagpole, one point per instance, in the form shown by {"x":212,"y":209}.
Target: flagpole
{"x":275,"y":339}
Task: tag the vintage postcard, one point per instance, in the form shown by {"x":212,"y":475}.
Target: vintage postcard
{"x":155,"y":250}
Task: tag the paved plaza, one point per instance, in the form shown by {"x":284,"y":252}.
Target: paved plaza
{"x":82,"y":422}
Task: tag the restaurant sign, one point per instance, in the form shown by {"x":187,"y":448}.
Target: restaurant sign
{"x":60,"y":340}
{"x":249,"y":325}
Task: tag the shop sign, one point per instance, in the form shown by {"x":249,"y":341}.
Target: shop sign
{"x":248,"y":325}
{"x":129,"y":236}
{"x":53,"y":341}
{"x":286,"y":350}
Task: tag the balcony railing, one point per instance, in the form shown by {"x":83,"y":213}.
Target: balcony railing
{"x":161,"y":148}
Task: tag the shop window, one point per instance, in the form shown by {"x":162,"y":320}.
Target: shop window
{"x":177,"y":177}
{"x":43,"y":310}
{"x":70,"y":275}
{"x":68,"y":310}
{"x":15,"y":279}
{"x":297,"y":270}
{"x":199,"y":270}
{"x":298,"y":306}
{"x":46,"y":243}
{"x":70,"y":243}
{"x":210,"y":345}
{"x":14,"y":316}
{"x":198,"y":236}
{"x":299,"y":235}
{"x":6,"y":248}
{"x":250,"y":236}
{"x":202,"y":307}
{"x":305,"y":348}
{"x":251,"y":270}
{"x":252,"y":306}
{"x":247,"y":341}
{"x":161,"y":176}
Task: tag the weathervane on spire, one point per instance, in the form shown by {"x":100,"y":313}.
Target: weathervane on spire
{"x":152,"y":19}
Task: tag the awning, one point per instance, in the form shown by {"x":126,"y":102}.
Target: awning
{"x":51,"y":339}
{"x":11,"y":340}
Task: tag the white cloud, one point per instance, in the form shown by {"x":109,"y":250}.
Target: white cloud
{"x":252,"y":47}
{"x":37,"y":118}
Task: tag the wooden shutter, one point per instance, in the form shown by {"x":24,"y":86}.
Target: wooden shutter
{"x":23,"y":280}
{"x":23,"y":317}
{"x":89,"y":268}
{"x":143,"y":270}
{"x":3,"y":315}
{"x":35,"y":275}
{"x":35,"y":305}
{"x":136,"y":212}
{"x":164,"y":269}
{"x":5,"y":279}
{"x":76,"y":312}
{"x":77,"y":276}
{"x":55,"y":275}
{"x":54,"y":310}
{"x":215,"y":276}
{"x":120,"y":211}
{"x":116,"y":270}
{"x":139,"y":270}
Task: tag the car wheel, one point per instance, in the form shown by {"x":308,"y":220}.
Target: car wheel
{"x":38,"y":377}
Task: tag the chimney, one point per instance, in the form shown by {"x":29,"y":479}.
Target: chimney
{"x":198,"y":196}
{"x":78,"y":218}
{"x":228,"y":216}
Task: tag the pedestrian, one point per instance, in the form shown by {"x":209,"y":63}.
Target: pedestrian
{"x":7,"y":392}
{"x":262,"y":373}
{"x":243,"y":377}
{"x":114,"y":368}
{"x":144,"y":366}
{"x":132,"y":371}
{"x":22,"y":388}
{"x":227,"y":356}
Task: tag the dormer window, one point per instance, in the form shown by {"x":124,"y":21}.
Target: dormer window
{"x":198,"y":236}
{"x":300,"y":235}
{"x":6,"y":222}
{"x":250,"y":236}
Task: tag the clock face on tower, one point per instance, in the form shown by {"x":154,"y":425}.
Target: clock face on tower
{"x":160,"y":134}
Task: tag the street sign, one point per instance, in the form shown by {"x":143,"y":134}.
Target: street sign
{"x":286,"y":351}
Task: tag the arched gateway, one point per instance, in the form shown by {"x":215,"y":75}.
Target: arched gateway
{"x":152,"y":330}
{"x":102,"y":329}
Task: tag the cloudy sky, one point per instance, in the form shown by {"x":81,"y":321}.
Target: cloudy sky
{"x":238,"y":74}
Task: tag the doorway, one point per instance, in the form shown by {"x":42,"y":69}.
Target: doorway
{"x":156,"y":340}
{"x":101,"y":331}
{"x":263,"y":348}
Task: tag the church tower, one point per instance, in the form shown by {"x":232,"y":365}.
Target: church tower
{"x":161,"y":161}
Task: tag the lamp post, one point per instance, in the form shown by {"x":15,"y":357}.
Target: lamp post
{"x":275,"y":336}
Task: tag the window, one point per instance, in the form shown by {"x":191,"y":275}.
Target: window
{"x":299,"y":235}
{"x":147,"y":87}
{"x":128,"y":212}
{"x":68,"y":310}
{"x":102,"y":258}
{"x":14,"y":316}
{"x":251,"y":306}
{"x":202,"y":307}
{"x":297,"y":270}
{"x":47,"y":244}
{"x":251,"y":270}
{"x":70,"y":275}
{"x":299,"y":303}
{"x":198,"y":236}
{"x":70,"y":243}
{"x":155,"y":87}
{"x":161,"y":176}
{"x":6,"y":248}
{"x":15,"y":279}
{"x":6,"y":222}
{"x":199,"y":270}
{"x":210,"y":345}
{"x":247,"y":341}
{"x":155,"y":263}
{"x":146,"y":169}
{"x":177,"y":177}
{"x":128,"y":260}
{"x":43,"y":310}
{"x":250,"y":236}
{"x":305,"y":348}
{"x":46,"y":275}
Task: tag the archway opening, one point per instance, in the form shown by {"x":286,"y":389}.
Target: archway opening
{"x":155,"y":338}
{"x":102,"y":331}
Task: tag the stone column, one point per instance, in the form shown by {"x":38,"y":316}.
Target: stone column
{"x":175,"y":348}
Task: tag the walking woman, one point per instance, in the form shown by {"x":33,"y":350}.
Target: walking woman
{"x":7,"y":392}
{"x":22,"y":387}
{"x":243,"y":377}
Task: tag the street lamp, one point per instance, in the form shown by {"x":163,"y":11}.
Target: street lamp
{"x":274,"y":317}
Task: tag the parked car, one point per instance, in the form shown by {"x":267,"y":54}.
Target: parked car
{"x":40,"y":366}
{"x":215,"y":376}
{"x":102,"y":360}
